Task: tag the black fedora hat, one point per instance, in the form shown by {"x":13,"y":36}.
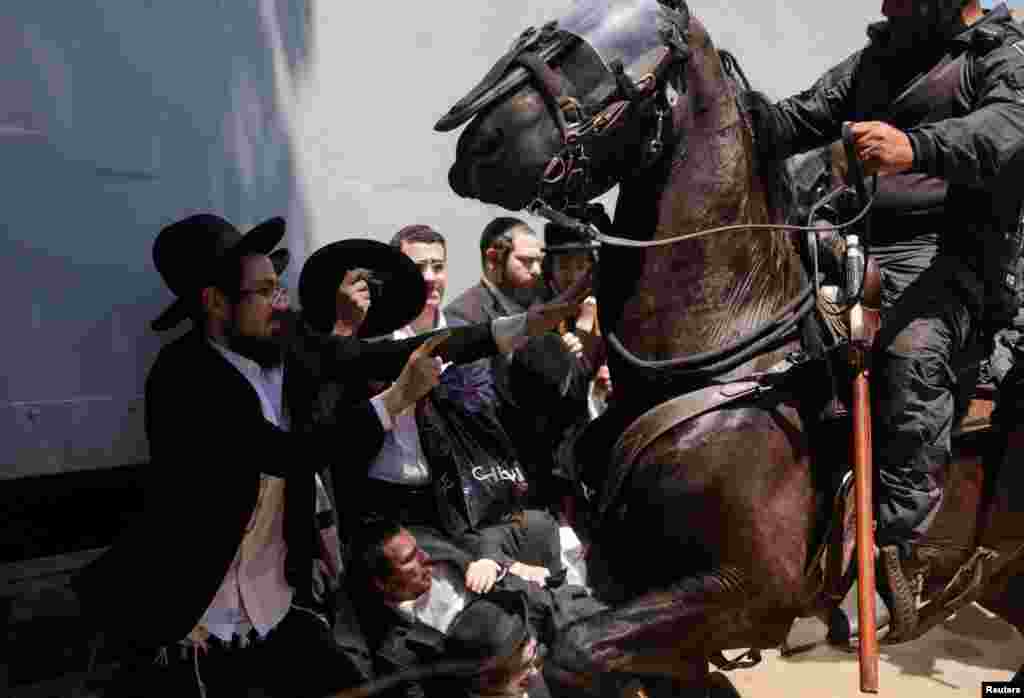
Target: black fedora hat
{"x":189,"y":253}
{"x":398,"y":293}
{"x":489,"y":629}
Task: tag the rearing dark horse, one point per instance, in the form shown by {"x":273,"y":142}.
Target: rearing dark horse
{"x":714,"y":505}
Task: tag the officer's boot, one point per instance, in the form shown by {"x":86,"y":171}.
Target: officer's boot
{"x":900,"y":577}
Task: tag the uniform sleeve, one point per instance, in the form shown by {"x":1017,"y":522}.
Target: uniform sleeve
{"x":812,"y":118}
{"x":974,"y":149}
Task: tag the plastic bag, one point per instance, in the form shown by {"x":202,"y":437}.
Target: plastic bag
{"x":478,"y":480}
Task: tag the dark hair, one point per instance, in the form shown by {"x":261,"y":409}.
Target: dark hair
{"x":368,"y":557}
{"x":418,"y":233}
{"x":497,"y":234}
{"x":228,"y":276}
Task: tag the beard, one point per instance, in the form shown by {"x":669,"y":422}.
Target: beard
{"x":523,"y":296}
{"x":923,"y":38}
{"x":267,"y":352}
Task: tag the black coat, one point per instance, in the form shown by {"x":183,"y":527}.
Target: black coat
{"x":541,"y":391}
{"x":208,"y":443}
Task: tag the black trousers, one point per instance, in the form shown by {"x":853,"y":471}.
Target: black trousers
{"x":535,"y":540}
{"x":925,"y":353}
{"x":297,"y":659}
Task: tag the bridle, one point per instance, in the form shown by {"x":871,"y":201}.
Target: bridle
{"x":646,"y":90}
{"x":567,"y":178}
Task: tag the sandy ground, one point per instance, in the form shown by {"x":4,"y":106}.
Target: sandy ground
{"x":952,"y":660}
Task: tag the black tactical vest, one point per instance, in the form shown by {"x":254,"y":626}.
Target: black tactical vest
{"x":992,"y":242}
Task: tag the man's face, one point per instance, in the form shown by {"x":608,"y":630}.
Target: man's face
{"x":568,"y":268}
{"x":253,"y":322}
{"x":432,"y":260}
{"x":530,"y":663}
{"x":410,"y":568}
{"x":915,"y":24}
{"x":523,"y":266}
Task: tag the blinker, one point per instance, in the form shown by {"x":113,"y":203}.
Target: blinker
{"x":617,"y":32}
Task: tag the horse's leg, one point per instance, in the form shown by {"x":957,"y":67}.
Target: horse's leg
{"x":730,"y":492}
{"x":667,"y":633}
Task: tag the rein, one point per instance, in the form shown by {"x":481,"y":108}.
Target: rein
{"x":770,"y":335}
{"x":597,"y":236}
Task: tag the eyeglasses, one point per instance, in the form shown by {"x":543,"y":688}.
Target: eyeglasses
{"x":274,"y":295}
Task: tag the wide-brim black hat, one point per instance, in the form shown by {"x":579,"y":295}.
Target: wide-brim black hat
{"x":396,"y":299}
{"x":489,"y":629}
{"x":190,"y":253}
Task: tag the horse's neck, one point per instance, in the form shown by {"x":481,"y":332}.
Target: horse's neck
{"x":703,"y":293}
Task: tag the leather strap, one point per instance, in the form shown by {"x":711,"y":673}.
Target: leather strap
{"x":658,"y":420}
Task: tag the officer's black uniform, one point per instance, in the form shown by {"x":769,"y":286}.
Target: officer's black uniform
{"x":944,"y":233}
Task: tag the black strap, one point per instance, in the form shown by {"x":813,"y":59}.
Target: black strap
{"x":709,"y":364}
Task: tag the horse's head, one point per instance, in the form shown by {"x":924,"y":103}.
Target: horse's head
{"x":574,"y":106}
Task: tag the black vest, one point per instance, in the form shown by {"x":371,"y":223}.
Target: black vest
{"x":988,"y":226}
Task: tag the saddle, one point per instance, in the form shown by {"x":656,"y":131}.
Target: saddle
{"x":830,"y":572}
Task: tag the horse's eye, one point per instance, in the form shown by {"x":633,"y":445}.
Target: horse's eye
{"x":488,"y":143}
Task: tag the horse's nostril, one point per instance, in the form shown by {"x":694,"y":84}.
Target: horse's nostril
{"x":488,"y":143}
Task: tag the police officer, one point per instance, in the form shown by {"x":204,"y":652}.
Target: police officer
{"x":937,"y":104}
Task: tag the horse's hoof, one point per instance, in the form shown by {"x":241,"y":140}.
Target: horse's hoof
{"x":719,"y":686}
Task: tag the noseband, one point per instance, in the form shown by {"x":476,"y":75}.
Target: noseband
{"x":567,"y":178}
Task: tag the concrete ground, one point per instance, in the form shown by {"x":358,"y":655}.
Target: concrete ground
{"x":951,"y":660}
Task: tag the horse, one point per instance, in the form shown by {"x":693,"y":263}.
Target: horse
{"x":720,"y":517}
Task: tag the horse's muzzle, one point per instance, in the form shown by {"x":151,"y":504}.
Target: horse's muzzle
{"x":458,"y":180}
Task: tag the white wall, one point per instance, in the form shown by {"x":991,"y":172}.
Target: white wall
{"x":116,"y":119}
{"x":119,"y":117}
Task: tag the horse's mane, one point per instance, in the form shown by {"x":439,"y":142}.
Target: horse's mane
{"x":756,"y":106}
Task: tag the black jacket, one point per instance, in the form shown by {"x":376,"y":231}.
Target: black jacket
{"x":334,"y":381}
{"x":964,"y":183}
{"x":208,"y":443}
{"x":541,"y":391}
